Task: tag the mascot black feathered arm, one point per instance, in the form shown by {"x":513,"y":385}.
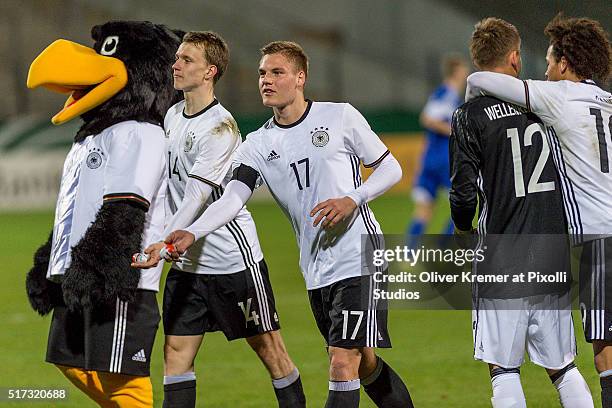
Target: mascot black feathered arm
{"x":125,"y":77}
{"x":42,"y":293}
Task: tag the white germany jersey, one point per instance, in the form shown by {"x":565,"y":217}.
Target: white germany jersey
{"x":200,"y":146}
{"x":578,"y":116}
{"x":124,"y":162}
{"x":315,"y":159}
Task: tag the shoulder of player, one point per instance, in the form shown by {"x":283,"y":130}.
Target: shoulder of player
{"x":133,"y":133}
{"x":335,"y":109}
{"x":216,"y":121}
{"x":132,"y":127}
{"x":469,"y":108}
{"x":256,"y":135}
{"x":472,"y":113}
{"x":176,"y":109}
{"x":590,"y":87}
{"x":221,"y":121}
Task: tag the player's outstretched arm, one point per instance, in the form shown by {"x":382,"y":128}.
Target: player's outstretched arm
{"x":196,"y":196}
{"x":502,"y":86}
{"x":216,"y":216}
{"x":387,"y":173}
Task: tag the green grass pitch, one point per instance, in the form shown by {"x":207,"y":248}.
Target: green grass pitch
{"x":432,"y":349}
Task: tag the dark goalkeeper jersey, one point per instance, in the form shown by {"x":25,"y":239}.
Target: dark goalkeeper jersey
{"x":501,"y":161}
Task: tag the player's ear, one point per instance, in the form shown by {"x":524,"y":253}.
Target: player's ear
{"x":301,"y":78}
{"x":211,"y":72}
{"x":514,"y":60}
{"x":563,"y":65}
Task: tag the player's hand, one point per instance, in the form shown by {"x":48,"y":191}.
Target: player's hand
{"x":181,"y":240}
{"x":154,"y":258}
{"x":334,"y":210}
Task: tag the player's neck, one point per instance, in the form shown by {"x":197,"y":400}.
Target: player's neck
{"x":291,"y":113}
{"x":198,"y":99}
{"x":507,"y":69}
{"x":571,"y":76}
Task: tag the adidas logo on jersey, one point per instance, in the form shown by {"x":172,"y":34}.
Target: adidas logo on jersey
{"x":273,"y":156}
{"x":140,"y":356}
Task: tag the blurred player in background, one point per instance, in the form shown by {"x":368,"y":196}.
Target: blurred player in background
{"x":495,"y":149}
{"x":578,"y":115}
{"x":309,"y":156}
{"x":436,"y":119}
{"x":222,"y":283}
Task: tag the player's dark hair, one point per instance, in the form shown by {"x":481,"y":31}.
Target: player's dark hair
{"x":492,"y":39}
{"x":451,"y":63}
{"x":216,"y":51}
{"x":584,"y":43}
{"x":292,"y":51}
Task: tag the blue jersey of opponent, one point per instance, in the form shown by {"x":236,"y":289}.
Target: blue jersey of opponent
{"x":435,"y":167}
{"x":440,"y":105}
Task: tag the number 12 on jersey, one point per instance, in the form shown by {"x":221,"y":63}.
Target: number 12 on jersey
{"x":534,"y":185}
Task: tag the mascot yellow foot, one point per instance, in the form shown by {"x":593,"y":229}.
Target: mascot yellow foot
{"x":110,"y":389}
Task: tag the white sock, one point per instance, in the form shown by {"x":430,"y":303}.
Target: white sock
{"x":507,"y":391}
{"x":573,"y":390}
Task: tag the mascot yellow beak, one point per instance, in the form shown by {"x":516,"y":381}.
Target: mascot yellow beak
{"x":70,"y":68}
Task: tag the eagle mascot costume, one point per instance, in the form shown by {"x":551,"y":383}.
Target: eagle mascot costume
{"x":111,"y":200}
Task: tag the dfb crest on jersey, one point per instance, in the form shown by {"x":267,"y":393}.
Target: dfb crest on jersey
{"x":189,"y":141}
{"x":94,"y":158}
{"x":320,"y":137}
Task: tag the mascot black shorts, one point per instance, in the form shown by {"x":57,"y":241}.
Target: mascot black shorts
{"x":116,"y":338}
{"x":239,"y":304}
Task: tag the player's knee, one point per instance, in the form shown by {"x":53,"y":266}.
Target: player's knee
{"x":344,"y":363}
{"x":177,"y":360}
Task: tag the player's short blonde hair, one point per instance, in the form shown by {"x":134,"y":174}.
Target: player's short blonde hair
{"x":216,"y":51}
{"x":492,"y":40}
{"x":291,"y":50}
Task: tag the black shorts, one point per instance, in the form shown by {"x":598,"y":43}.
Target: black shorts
{"x":239,"y":304}
{"x":347,"y":314}
{"x":116,"y":338}
{"x":596,"y":289}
